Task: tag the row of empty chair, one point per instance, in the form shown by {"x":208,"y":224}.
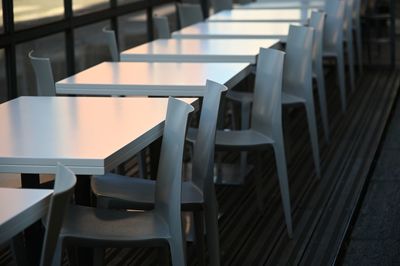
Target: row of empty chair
{"x":282,"y":79}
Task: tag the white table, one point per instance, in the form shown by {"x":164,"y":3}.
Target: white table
{"x":19,"y":208}
{"x":152,"y":79}
{"x":234,"y":30}
{"x":281,"y":4}
{"x":198,"y":50}
{"x":262,"y":15}
{"x":90,"y":135}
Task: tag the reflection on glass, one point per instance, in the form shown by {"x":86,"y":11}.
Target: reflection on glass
{"x":3,"y":79}
{"x":81,"y":7}
{"x":28,"y":13}
{"x":132,"y":30}
{"x":91,"y":46}
{"x":167,"y":10}
{"x":52,"y":47}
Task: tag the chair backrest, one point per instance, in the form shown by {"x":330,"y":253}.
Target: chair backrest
{"x":203,"y":152}
{"x":317,"y":22}
{"x":169,"y":177}
{"x":267,"y":106}
{"x":297,"y":70}
{"x":161,"y":25}
{"x":112,"y":44}
{"x":44,"y":75}
{"x":219,"y":5}
{"x":333,"y":33}
{"x":64,"y":184}
{"x":189,"y":14}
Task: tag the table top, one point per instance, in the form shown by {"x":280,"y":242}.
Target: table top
{"x":90,"y":135}
{"x":28,"y":206}
{"x":262,"y":15}
{"x":233,"y":30}
{"x":198,"y":50}
{"x":152,"y":79}
{"x":278,"y":4}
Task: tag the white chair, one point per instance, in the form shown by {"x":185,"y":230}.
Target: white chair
{"x":101,"y":228}
{"x":198,"y":195}
{"x":219,"y":5}
{"x":333,"y":42}
{"x":189,"y":14}
{"x":266,"y":126}
{"x":317,"y":22}
{"x":161,"y":25}
{"x":112,"y":44}
{"x":44,"y":75}
{"x":297,"y":80}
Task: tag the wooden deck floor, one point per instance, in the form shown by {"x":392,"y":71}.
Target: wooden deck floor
{"x":322,"y":209}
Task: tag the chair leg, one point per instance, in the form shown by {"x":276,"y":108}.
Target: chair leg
{"x":281,"y":167}
{"x":211,"y":219}
{"x":177,"y":252}
{"x":342,"y":79}
{"x":58,"y":258}
{"x":258,"y":177}
{"x":198,"y":218}
{"x":322,"y":101}
{"x":359,"y":46}
{"x":312,"y":126}
{"x":350,"y":52}
{"x":245,"y":124}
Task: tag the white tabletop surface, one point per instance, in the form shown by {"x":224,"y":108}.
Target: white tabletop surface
{"x":233,"y":30}
{"x":90,"y":135}
{"x":19,"y":208}
{"x":262,"y":15}
{"x":198,"y":50}
{"x":152,"y":79}
{"x":278,"y":4}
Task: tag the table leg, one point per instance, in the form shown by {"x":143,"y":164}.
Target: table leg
{"x":82,"y":197}
{"x":34,"y":233}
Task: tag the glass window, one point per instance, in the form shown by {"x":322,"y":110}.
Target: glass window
{"x":3,"y":78}
{"x":87,"y":6}
{"x":28,"y":13}
{"x":169,"y":11}
{"x":91,"y":46}
{"x":132,"y":30}
{"x":52,"y":47}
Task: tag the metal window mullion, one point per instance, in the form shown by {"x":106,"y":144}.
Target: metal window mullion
{"x":10,"y":51}
{"x":69,"y":38}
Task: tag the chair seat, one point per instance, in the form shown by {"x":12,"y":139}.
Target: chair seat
{"x":104,"y":227}
{"x":137,"y":193}
{"x":241,"y":139}
{"x":291,"y":99}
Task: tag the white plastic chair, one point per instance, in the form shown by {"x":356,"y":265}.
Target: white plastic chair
{"x":333,"y":41}
{"x":198,"y":194}
{"x":44,"y":75}
{"x":219,"y":5}
{"x":101,"y":228}
{"x":317,"y":22}
{"x":189,"y":14}
{"x":266,"y":126}
{"x":112,"y":44}
{"x":161,"y":25}
{"x":64,"y":184}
